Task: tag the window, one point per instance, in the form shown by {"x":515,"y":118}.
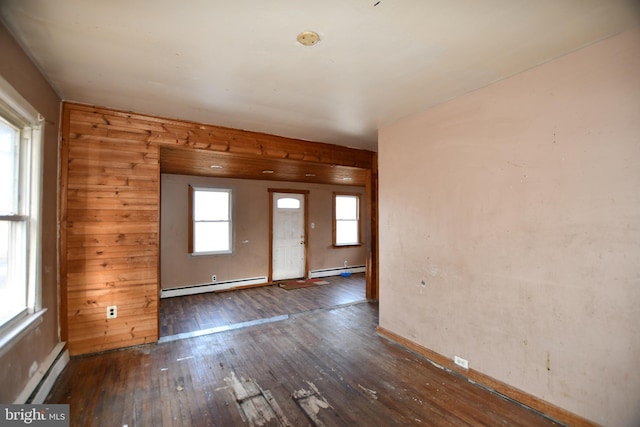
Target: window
{"x":20,"y":178}
{"x":346,"y":223}
{"x":210,"y":222}
{"x":288,"y":203}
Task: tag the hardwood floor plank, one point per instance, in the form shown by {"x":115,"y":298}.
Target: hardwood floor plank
{"x":213,"y":309}
{"x":331,"y":353}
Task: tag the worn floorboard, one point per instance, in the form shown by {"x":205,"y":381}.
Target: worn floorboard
{"x":322,"y":366}
{"x":189,"y":313}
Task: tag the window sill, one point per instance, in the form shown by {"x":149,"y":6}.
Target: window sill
{"x":17,"y":331}
{"x":348,"y":245}
{"x":196,"y":254}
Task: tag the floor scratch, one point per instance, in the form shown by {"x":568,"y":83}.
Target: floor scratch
{"x":311,"y":402}
{"x":257,"y":406}
{"x":371,"y":393}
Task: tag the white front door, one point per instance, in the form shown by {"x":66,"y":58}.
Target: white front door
{"x":288,"y":236}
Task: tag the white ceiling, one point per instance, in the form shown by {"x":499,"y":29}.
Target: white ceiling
{"x":237,"y":63}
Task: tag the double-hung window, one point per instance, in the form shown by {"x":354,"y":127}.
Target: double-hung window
{"x":210,"y":221}
{"x":20,"y":183}
{"x":346,"y":219}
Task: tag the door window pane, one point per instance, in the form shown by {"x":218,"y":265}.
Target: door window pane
{"x":288,"y":203}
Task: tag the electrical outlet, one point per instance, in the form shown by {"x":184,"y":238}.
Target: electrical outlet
{"x":112,"y":311}
{"x":214,"y":278}
{"x":463,"y":363}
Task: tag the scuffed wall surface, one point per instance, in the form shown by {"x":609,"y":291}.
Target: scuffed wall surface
{"x":518,"y":206}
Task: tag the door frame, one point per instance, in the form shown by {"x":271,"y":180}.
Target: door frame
{"x":305,"y":194}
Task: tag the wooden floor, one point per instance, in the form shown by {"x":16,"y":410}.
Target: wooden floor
{"x":323,"y":366}
{"x":184,"y":314}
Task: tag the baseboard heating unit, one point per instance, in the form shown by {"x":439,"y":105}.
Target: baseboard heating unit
{"x":326,"y":272}
{"x":211,"y":287}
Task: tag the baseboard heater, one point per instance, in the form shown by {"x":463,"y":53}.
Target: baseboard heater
{"x":41,"y":383}
{"x":211,"y":287}
{"x":326,"y":272}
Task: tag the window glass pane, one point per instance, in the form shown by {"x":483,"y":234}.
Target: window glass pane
{"x":211,"y":237}
{"x":4,"y":253}
{"x":13,"y":293}
{"x":346,"y":232}
{"x":211,"y":205}
{"x":8,"y":156}
{"x":288,"y":203}
{"x":346,"y":207}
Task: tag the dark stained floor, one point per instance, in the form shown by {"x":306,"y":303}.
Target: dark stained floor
{"x":321,"y":366}
{"x":179,"y":315}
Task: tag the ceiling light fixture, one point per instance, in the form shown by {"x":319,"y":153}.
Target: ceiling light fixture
{"x":267,"y":171}
{"x":216,"y":167}
{"x":309,"y":174}
{"x":308,"y":38}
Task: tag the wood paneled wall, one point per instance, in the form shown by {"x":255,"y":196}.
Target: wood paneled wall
{"x":109,"y":214}
{"x":110,"y":218}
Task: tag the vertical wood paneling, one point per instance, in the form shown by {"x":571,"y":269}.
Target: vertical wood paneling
{"x":110,"y":230}
{"x":62,"y":244}
{"x":371,"y":206}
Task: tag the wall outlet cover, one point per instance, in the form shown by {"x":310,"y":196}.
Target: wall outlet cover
{"x":112,"y":312}
{"x":463,"y":363}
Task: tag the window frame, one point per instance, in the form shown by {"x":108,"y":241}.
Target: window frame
{"x":191,"y":231}
{"x":358,"y":219}
{"x":19,"y":113}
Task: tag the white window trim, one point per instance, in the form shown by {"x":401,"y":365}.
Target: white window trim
{"x":358,"y":219}
{"x":15,"y":105}
{"x":229,"y":191}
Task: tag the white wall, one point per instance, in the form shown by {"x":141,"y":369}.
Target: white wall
{"x":519,"y":206}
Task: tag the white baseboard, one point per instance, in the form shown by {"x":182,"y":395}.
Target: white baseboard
{"x":211,"y":287}
{"x":326,"y":272}
{"x":42,"y":381}
{"x":230,"y":284}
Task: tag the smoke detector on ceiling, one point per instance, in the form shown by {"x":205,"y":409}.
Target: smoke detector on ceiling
{"x":308,"y":38}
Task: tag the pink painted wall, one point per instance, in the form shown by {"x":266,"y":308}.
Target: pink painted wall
{"x":525,"y":228}
{"x":251,"y":219}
